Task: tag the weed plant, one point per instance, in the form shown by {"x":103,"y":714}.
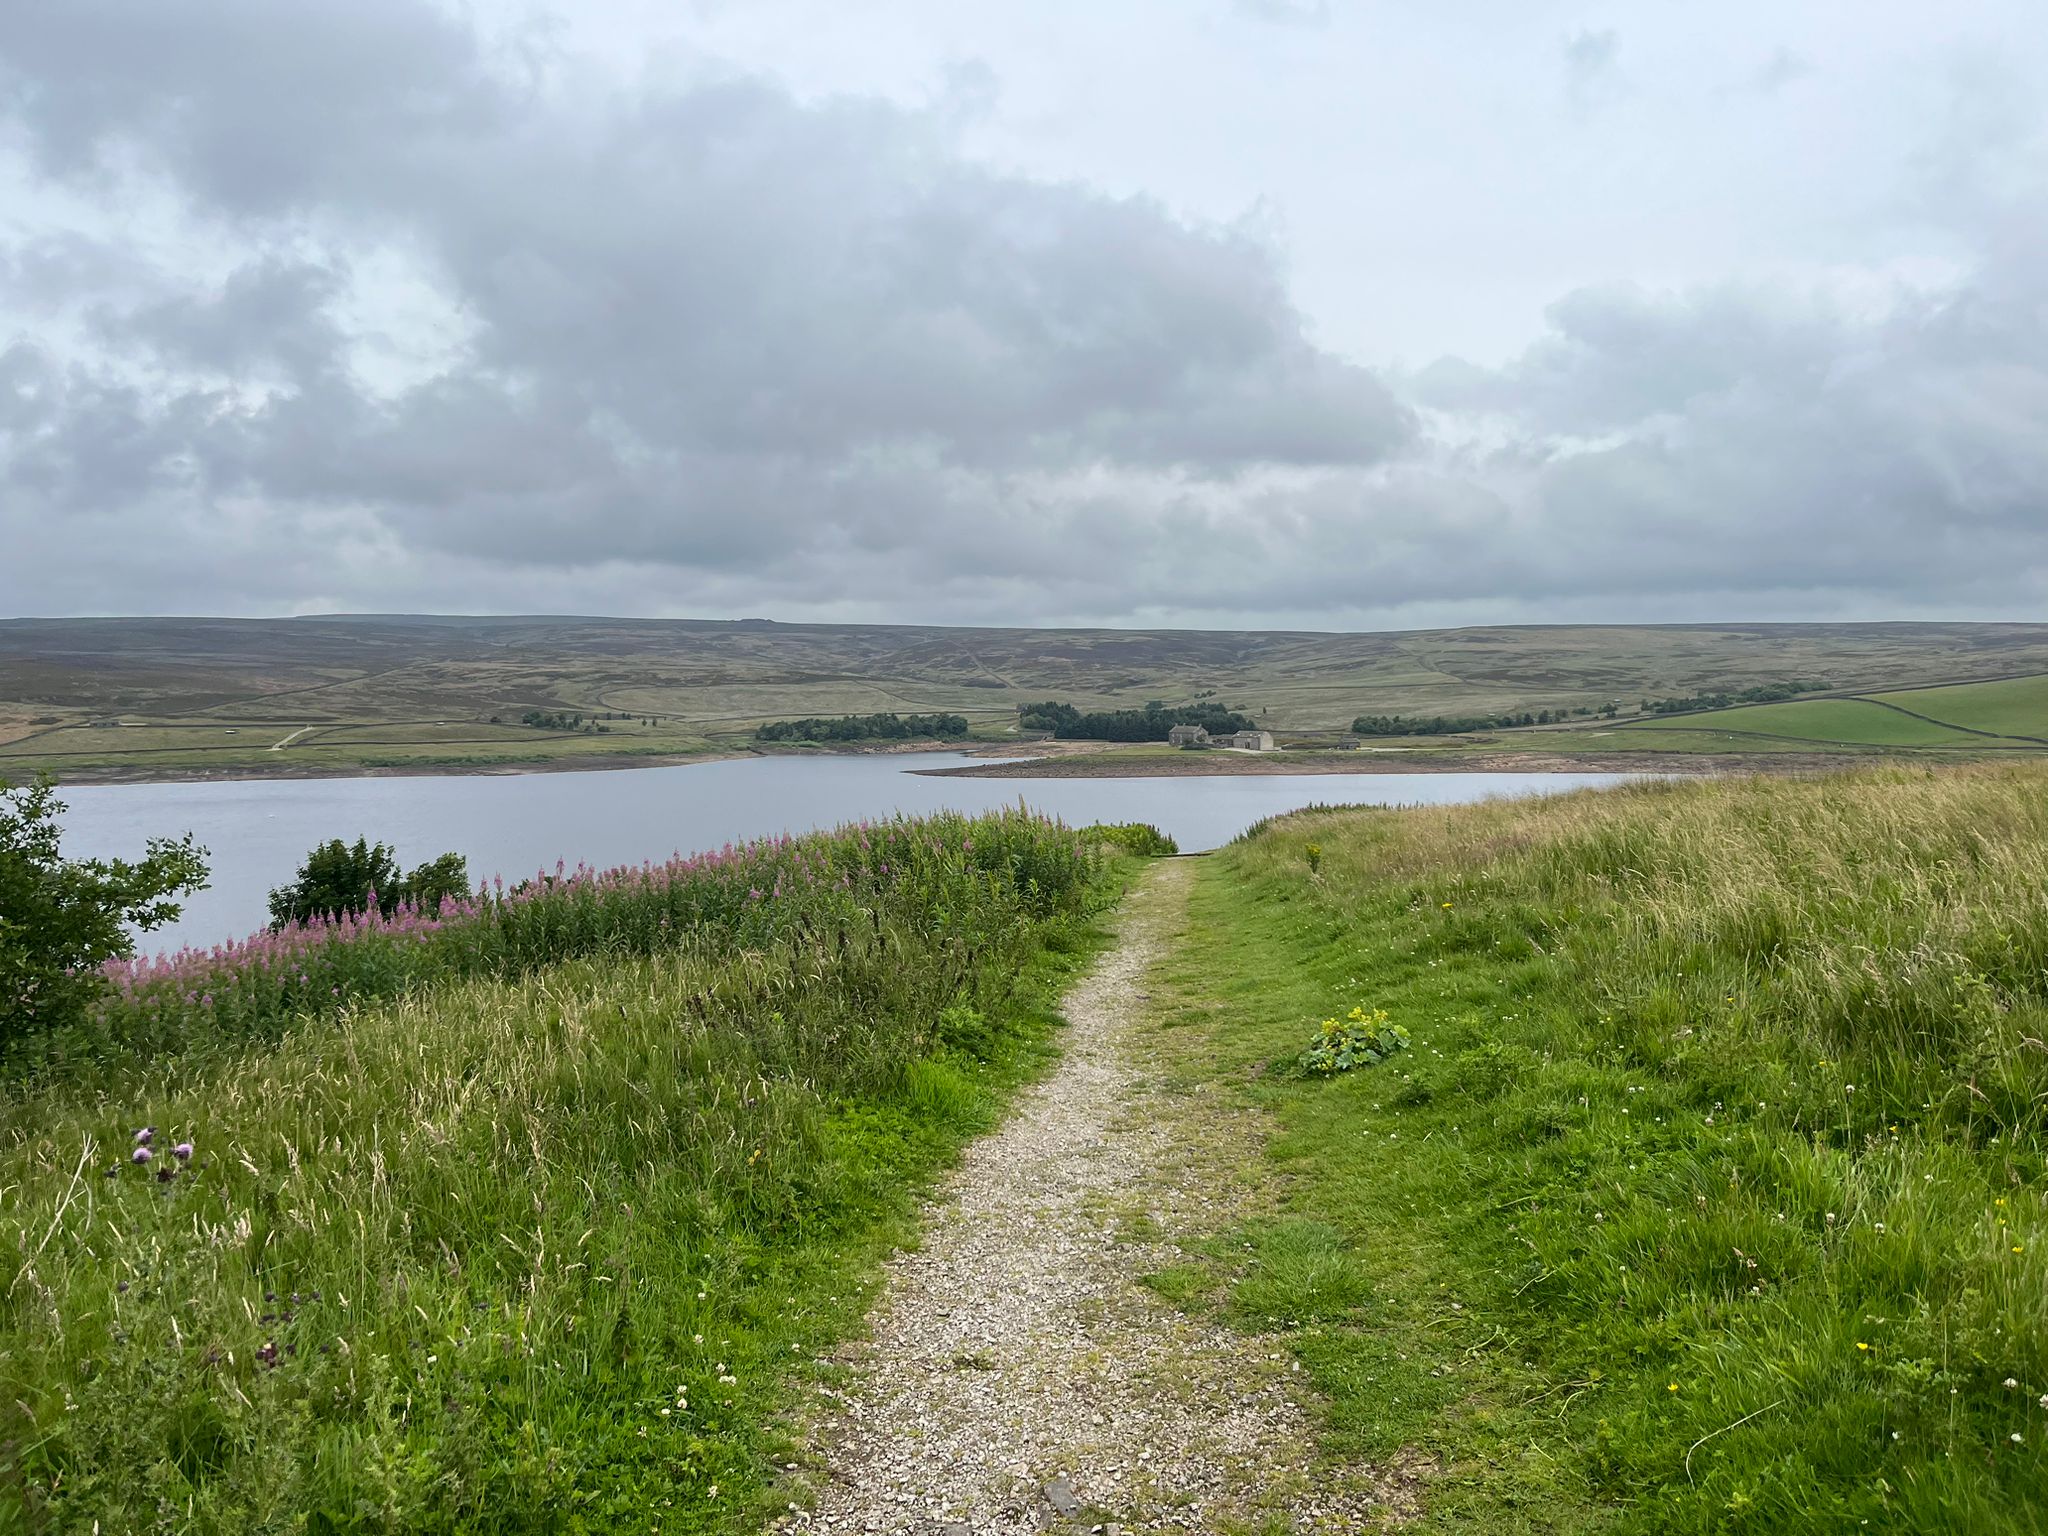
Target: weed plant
{"x":1139,"y":838}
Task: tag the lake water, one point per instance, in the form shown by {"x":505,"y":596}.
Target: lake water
{"x":257,"y":832}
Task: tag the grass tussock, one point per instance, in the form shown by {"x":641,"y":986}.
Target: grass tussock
{"x":1710,"y":1195}
{"x":542,"y":1254}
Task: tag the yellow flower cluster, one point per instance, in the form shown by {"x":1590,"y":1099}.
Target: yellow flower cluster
{"x":1357,"y":1018}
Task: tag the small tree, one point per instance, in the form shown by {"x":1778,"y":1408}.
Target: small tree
{"x":339,"y":879}
{"x":439,"y":880}
{"x":60,"y":919}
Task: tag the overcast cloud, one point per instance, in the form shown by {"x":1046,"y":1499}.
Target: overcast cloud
{"x":1324,"y":315}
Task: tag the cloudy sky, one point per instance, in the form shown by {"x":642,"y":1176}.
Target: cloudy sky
{"x":1323,"y":313}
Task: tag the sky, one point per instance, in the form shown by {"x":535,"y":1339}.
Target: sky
{"x":1271,"y":313}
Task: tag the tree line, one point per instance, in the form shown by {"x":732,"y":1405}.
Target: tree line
{"x":1763,"y":693}
{"x":560,"y":720}
{"x":889,"y":727}
{"x":1455,"y":725}
{"x":1068,"y":723}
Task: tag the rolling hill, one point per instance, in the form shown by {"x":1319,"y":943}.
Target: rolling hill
{"x":163,"y":697}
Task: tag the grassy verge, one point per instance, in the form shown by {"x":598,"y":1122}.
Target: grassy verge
{"x":1708,"y":1194}
{"x":557,"y":1253}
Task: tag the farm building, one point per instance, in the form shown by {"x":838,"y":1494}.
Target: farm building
{"x":1187,"y":736}
{"x":1249,"y":741}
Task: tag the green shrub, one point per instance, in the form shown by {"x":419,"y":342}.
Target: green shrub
{"x":339,"y":880}
{"x":62,"y":919}
{"x":1133,"y":837}
{"x":1359,"y":1039}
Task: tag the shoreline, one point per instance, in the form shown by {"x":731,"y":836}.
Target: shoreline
{"x":1104,"y":765}
{"x":101,"y":777}
{"x":1039,"y":760}
{"x":510,"y":768}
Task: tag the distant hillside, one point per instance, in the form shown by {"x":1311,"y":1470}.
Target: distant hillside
{"x":185,"y":695}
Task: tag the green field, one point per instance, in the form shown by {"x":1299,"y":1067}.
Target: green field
{"x":1851,"y":722}
{"x":169,"y":697}
{"x":2011,"y":713}
{"x":1709,"y":1194}
{"x":2016,"y":707}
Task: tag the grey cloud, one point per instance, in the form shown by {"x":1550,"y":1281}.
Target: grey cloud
{"x":719,"y":266}
{"x":1287,"y":13}
{"x":267,"y":318}
{"x":1592,"y":66}
{"x":1619,"y":355}
{"x":1781,"y":69}
{"x":254,"y":108}
{"x":709,"y":328}
{"x":1698,"y":441}
{"x":725,"y":350}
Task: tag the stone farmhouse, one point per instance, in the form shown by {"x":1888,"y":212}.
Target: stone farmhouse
{"x":1198,"y":736}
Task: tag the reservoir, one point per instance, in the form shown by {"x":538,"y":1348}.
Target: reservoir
{"x":257,"y":832}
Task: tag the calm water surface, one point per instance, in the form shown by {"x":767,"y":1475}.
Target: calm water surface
{"x":257,"y":832}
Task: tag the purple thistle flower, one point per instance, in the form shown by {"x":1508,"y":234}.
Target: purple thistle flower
{"x":182,"y":1151}
{"x":145,"y":1136}
{"x":139,"y":1156}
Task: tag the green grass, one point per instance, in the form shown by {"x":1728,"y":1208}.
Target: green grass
{"x":1673,"y":737}
{"x":556,"y":1254}
{"x":2014,"y":707}
{"x":1709,"y":1196}
{"x":1851,"y":722}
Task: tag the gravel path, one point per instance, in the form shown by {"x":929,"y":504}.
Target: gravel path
{"x":1020,"y":1377}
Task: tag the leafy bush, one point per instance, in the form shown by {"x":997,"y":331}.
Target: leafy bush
{"x":62,"y":919}
{"x":1359,"y":1039}
{"x":1134,"y":837}
{"x":340,"y":880}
